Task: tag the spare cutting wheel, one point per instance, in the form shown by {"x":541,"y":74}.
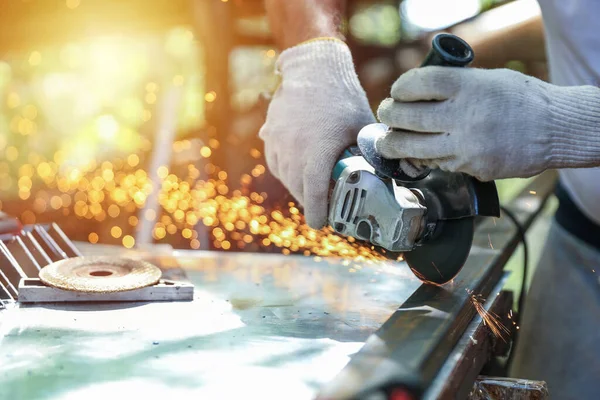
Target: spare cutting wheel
{"x":100,"y":274}
{"x":440,"y":259}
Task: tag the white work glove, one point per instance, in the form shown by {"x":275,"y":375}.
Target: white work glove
{"x":315,"y":114}
{"x":490,"y":124}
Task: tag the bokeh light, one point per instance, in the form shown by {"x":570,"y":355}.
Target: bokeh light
{"x":80,"y":127}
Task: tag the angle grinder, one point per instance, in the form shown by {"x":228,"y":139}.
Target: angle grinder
{"x":427,"y":216}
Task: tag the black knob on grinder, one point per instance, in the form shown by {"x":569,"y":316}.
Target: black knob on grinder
{"x":448,"y":51}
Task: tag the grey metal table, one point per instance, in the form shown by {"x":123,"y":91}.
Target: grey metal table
{"x":261,"y":326}
{"x":265,"y":326}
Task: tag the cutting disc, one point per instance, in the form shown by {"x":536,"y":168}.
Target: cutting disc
{"x":440,"y":259}
{"x":100,"y":274}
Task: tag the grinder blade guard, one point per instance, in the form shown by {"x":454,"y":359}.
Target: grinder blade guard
{"x":428,"y":216}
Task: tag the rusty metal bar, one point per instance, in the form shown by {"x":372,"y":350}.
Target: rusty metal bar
{"x":46,"y":242}
{"x":473,"y":351}
{"x":8,"y":291}
{"x":63,"y":242}
{"x":12,"y":271}
{"x":24,"y":254}
{"x":35,"y":249}
{"x":409,"y":349}
{"x":487,"y":388}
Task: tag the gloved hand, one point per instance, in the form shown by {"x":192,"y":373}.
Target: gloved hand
{"x":316,"y":113}
{"x":490,"y":124}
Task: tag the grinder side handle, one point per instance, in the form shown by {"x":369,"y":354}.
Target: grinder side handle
{"x":446,"y":51}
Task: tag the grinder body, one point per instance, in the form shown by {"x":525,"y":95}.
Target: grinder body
{"x":428,"y":216}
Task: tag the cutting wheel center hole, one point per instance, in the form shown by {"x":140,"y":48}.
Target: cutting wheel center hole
{"x":101,"y":273}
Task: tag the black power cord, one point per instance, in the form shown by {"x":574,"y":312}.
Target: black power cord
{"x":521,"y":301}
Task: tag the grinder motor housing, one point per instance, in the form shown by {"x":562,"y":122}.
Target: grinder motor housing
{"x":430,"y":216}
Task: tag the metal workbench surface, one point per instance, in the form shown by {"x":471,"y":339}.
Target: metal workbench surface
{"x":261,"y":326}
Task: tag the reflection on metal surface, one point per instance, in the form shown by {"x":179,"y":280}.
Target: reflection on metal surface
{"x":351,"y":302}
{"x":261,"y":326}
{"x":265,"y":326}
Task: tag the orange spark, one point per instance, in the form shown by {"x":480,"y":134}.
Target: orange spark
{"x":490,"y":319}
{"x":438,"y":271}
{"x":423,"y":279}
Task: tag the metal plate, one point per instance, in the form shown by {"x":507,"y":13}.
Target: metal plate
{"x":100,"y":274}
{"x":261,"y":326}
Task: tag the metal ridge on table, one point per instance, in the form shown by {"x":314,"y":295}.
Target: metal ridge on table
{"x":24,"y":254}
{"x":409,"y":349}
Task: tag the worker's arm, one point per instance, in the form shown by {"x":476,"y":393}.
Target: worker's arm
{"x":319,"y":106}
{"x":491,"y":124}
{"x":523,"y":41}
{"x":294,"y":22}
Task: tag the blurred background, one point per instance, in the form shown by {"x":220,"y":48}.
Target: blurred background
{"x":135,"y":122}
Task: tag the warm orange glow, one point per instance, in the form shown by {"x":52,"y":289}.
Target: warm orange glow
{"x":86,"y":151}
{"x":205,"y":152}
{"x":178,"y":80}
{"x":116,"y":232}
{"x":73,"y":4}
{"x":12,"y":153}
{"x":128,"y":241}
{"x":93,"y":237}
{"x":210,"y":97}
{"x":35,"y":58}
